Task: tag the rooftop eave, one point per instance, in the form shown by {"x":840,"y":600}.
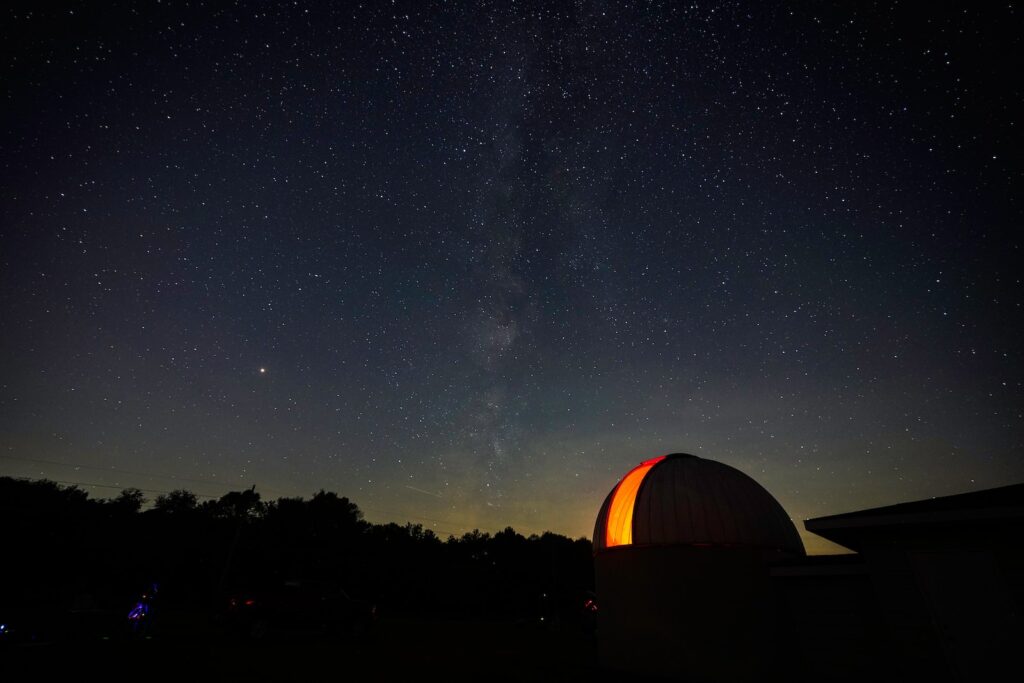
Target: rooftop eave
{"x":912,"y":518}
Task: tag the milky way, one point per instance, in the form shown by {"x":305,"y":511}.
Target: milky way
{"x":467,"y":264}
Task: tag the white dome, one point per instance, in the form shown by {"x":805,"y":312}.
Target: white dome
{"x":680,"y":499}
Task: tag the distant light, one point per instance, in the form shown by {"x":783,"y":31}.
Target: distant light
{"x":263,"y":371}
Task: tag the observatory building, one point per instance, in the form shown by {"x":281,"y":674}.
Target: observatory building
{"x":681,"y":548}
{"x":702,"y":576}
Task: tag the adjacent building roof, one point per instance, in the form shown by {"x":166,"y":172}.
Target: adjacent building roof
{"x":852,"y":529}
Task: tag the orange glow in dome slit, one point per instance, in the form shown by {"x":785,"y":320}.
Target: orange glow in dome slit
{"x":620,"y":512}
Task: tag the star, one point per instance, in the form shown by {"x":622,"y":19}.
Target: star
{"x":610,"y":246}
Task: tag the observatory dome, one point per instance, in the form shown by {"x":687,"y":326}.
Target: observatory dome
{"x":680,"y":499}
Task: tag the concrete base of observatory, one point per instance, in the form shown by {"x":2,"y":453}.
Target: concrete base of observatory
{"x":697,"y":613}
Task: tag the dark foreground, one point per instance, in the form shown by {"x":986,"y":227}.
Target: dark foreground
{"x":394,"y":650}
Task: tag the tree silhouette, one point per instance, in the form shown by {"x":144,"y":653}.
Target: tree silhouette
{"x":176,"y":502}
{"x":66,"y":544}
{"x":129,"y":500}
{"x":240,"y":505}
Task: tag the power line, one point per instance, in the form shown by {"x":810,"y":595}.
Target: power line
{"x":151,"y":475}
{"x":112,"y":486}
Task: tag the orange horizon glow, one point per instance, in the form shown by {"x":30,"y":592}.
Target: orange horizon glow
{"x":619,"y":529}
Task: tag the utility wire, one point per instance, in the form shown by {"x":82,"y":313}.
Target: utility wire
{"x":151,"y":475}
{"x":112,"y":486}
{"x":111,"y":469}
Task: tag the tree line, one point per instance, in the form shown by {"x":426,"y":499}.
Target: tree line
{"x":63,"y":548}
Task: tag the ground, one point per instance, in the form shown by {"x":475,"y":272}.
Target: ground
{"x":397,"y":649}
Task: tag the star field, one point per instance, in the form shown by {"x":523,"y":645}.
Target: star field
{"x":469,"y":263}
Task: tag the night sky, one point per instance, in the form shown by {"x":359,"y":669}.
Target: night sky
{"x":467,"y":264}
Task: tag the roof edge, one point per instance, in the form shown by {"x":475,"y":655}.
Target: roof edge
{"x":859,"y":522}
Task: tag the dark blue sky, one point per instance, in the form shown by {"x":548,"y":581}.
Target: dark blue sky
{"x":467,"y":265}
